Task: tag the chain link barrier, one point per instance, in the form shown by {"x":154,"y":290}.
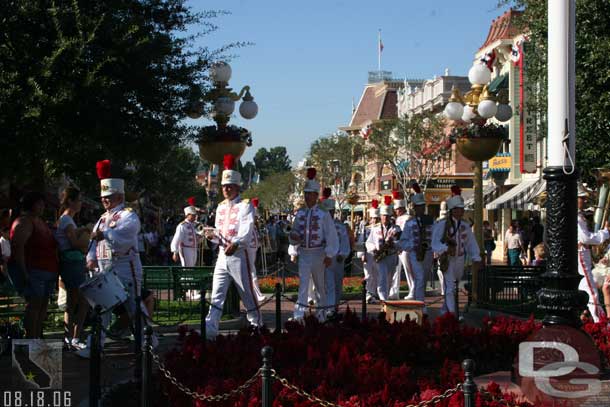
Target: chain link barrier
{"x":434,"y":400}
{"x":313,"y":307}
{"x":198,"y":396}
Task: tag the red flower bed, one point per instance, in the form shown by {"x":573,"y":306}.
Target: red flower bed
{"x":351,"y":362}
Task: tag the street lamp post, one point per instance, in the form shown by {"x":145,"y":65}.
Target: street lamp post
{"x":477,"y":106}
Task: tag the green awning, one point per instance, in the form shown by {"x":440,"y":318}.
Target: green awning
{"x":500,"y":82}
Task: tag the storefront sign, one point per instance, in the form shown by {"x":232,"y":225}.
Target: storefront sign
{"x":527,"y":122}
{"x":500,"y":163}
{"x":447,"y":183}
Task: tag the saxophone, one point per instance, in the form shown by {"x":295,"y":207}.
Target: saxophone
{"x":386,"y":249}
{"x":450,"y":242}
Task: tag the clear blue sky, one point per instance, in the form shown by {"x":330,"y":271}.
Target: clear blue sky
{"x":311,"y":58}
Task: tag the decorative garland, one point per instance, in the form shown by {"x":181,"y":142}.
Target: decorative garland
{"x":210,"y":134}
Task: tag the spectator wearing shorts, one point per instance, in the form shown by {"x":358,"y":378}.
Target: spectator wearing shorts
{"x":33,"y":266}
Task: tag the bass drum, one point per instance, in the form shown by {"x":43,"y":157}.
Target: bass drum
{"x":104,"y":289}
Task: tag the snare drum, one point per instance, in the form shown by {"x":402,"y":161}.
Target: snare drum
{"x":104,"y":289}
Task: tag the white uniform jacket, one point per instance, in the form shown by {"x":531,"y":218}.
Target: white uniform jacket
{"x":185,"y":236}
{"x":234,"y":224}
{"x":416,"y":231}
{"x":461,"y":232}
{"x":344,"y":245}
{"x":316,"y":229}
{"x":120,"y":226}
{"x":379,"y":234}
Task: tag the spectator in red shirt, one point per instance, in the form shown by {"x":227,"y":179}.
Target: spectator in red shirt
{"x":33,"y":266}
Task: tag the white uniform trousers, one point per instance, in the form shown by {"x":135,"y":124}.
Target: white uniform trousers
{"x":385,"y":269}
{"x":371,"y":275}
{"x":403,"y":264}
{"x":454,"y":273}
{"x":252,"y":259}
{"x":311,"y":266}
{"x":333,"y":278}
{"x":588,"y":285}
{"x":188,"y":256}
{"x":232,"y":268}
{"x":420,"y":271}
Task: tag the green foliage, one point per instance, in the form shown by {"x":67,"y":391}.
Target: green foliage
{"x":274,"y":191}
{"x":592,"y":75}
{"x":82,"y":81}
{"x":334,"y":158}
{"x":413,"y":148}
{"x":274,"y":160}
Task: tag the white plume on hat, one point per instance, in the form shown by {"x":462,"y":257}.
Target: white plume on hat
{"x":311,"y":185}
{"x":229,"y":175}
{"x":108,"y":186}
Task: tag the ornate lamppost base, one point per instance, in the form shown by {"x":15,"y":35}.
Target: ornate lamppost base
{"x":560,"y":298}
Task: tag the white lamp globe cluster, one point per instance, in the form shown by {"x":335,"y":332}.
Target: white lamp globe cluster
{"x":220,"y":73}
{"x":484,"y":103}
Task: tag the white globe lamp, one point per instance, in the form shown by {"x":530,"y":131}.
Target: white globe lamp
{"x":220,"y":72}
{"x":479,"y":74}
{"x":224,"y":106}
{"x":248,"y":109}
{"x":487,"y":108}
{"x":454,"y":110}
{"x":504,"y":113}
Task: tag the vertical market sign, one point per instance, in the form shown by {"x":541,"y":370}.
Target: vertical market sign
{"x":527,"y":120}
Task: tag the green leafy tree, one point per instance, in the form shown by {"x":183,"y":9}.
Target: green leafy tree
{"x":335,"y":159}
{"x":82,"y":81}
{"x":274,"y":192}
{"x":413,"y":148}
{"x":592,"y":75}
{"x":274,"y":160}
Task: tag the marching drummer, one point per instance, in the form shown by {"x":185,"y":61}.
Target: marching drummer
{"x":234,"y":229}
{"x":185,"y":241}
{"x":114,"y":244}
{"x":381,"y":244}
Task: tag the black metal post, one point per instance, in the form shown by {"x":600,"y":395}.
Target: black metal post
{"x":204,"y":312}
{"x":266,"y":376}
{"x":137,"y":346}
{"x":560,"y":299}
{"x":278,"y":308}
{"x":363,"y":317}
{"x":469,"y":386}
{"x":95,"y":356}
{"x":146,"y":367}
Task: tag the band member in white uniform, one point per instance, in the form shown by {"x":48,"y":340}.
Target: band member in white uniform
{"x":185,"y":242}
{"x":441,"y":276}
{"x":415,"y":240}
{"x":586,"y":239}
{"x":234,"y":228}
{"x":382,"y":244}
{"x":368,"y":261}
{"x":454,"y":240}
{"x":252,"y":250}
{"x":402,"y":216}
{"x":114,"y":245}
{"x":314,"y":241}
{"x":334,"y":274}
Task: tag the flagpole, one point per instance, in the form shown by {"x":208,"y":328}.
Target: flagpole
{"x":379,"y":53}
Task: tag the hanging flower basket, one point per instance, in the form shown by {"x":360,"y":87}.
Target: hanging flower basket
{"x":214,"y":143}
{"x":479,"y":142}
